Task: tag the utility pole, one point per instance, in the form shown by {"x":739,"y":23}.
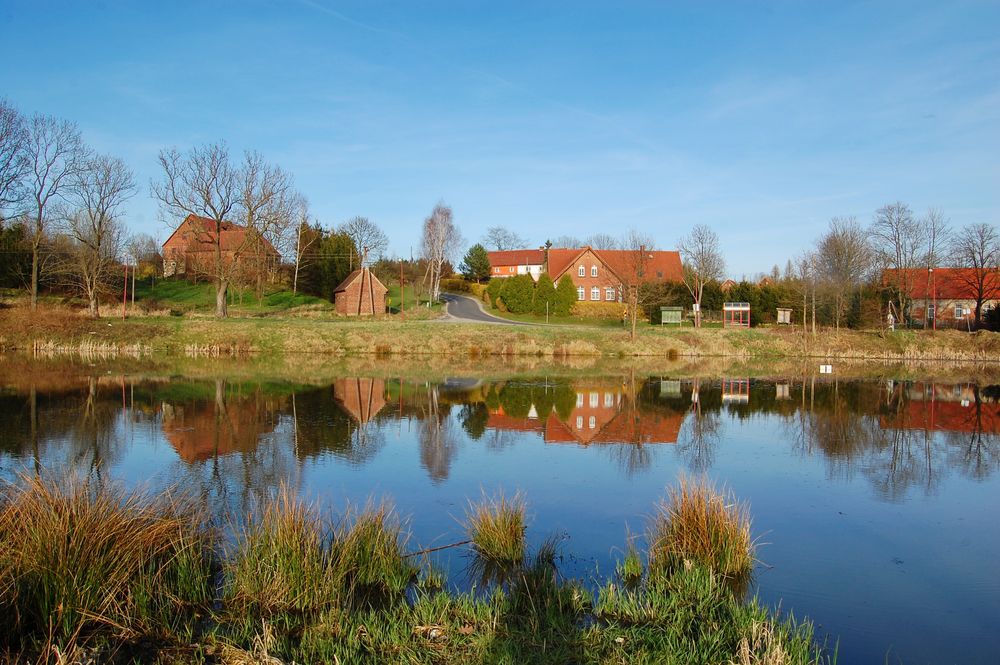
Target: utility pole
{"x":402,"y":298}
{"x":125,"y":293}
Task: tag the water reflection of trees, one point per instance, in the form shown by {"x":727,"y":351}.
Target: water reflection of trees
{"x":234,"y":440}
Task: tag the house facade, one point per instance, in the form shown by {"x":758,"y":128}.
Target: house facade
{"x":601,"y":275}
{"x":947,"y":295}
{"x":190,"y":249}
{"x":509,"y":263}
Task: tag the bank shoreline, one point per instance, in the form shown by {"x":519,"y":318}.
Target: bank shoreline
{"x":62,"y":332}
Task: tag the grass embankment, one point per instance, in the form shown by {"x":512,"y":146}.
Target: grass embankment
{"x":97,"y":574}
{"x":57,"y":329}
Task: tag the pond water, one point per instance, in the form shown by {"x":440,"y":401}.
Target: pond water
{"x":875,"y":502}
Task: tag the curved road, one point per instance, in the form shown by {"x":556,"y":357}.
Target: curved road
{"x":462,"y":308}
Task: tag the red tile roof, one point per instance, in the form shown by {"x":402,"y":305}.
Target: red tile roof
{"x":517,"y":257}
{"x":946,"y":283}
{"x":197,"y":234}
{"x":658,"y":266}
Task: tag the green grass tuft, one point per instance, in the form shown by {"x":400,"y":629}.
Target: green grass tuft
{"x":496,"y":527}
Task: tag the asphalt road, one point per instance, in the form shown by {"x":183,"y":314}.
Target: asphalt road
{"x":462,"y":308}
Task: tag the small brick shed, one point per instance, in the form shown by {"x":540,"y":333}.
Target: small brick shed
{"x":360,"y":294}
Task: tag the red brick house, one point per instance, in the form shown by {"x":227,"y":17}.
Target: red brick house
{"x":947,"y":294}
{"x":602,"y":274}
{"x":190,"y":249}
{"x":517,"y":262}
{"x":360,"y":294}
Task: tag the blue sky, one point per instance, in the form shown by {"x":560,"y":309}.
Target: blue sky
{"x":760,"y":120}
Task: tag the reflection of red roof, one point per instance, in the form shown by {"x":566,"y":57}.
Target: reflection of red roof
{"x":197,"y":432}
{"x":938,"y":416}
{"x":362,"y":398}
{"x":623,"y":428}
{"x":517,"y":257}
{"x":946,"y":283}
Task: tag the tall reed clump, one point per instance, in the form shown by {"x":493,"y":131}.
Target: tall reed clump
{"x":699,"y":524}
{"x":496,"y":527}
{"x":80,"y":560}
{"x":369,"y":553}
{"x":281,"y":561}
{"x":289,"y":558}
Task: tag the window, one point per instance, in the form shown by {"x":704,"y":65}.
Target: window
{"x":579,"y":422}
{"x":609,"y":400}
{"x":931,"y":312}
{"x":579,"y":400}
{"x":595,"y":400}
{"x":581,"y":271}
{"x":580,"y":293}
{"x":609,"y":294}
{"x":593,"y":271}
{"x":595,"y":293}
{"x":592,"y":422}
{"x":960,"y":311}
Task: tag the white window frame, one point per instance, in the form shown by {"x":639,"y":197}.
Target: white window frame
{"x":595,"y":400}
{"x":960,"y":312}
{"x":579,"y":422}
{"x":609,"y":293}
{"x":595,"y":293}
{"x":593,"y":271}
{"x":579,"y":400}
{"x":581,"y":293}
{"x":581,"y":271}
{"x":592,"y":422}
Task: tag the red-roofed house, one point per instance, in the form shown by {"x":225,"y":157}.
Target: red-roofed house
{"x":601,"y":274}
{"x":190,"y":249}
{"x":949,"y":294}
{"x":517,"y":262}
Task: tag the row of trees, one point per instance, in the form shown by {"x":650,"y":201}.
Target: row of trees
{"x":62,"y":217}
{"x":892,"y":253}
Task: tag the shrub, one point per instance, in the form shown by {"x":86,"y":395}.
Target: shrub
{"x":493,"y":290}
{"x":455,"y":285}
{"x":545,"y":293}
{"x":518,"y":293}
{"x":565,"y":295}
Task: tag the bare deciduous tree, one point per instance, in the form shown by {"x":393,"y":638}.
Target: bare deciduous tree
{"x":570,"y":242}
{"x":441,"y":239}
{"x":370,"y":240}
{"x":13,"y":157}
{"x":204,"y":183}
{"x":94,"y":227}
{"x":55,"y":154}
{"x":844,"y":258}
{"x":899,"y":241}
{"x":976,"y":248}
{"x":266,"y":207}
{"x":501,"y":238}
{"x":602,"y":241}
{"x":703,"y":262}
{"x":637,"y":248}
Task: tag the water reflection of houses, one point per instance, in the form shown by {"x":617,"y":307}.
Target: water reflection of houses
{"x":201,"y":430}
{"x":600,"y":414}
{"x":941,"y":408}
{"x":361,"y":398}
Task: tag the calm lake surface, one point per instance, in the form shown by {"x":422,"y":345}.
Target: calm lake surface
{"x":876,"y":503}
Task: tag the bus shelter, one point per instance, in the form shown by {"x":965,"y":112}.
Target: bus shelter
{"x":736,"y":315}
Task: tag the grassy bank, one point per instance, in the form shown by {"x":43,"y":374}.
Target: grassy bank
{"x":56,"y":329}
{"x":99,"y":574}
